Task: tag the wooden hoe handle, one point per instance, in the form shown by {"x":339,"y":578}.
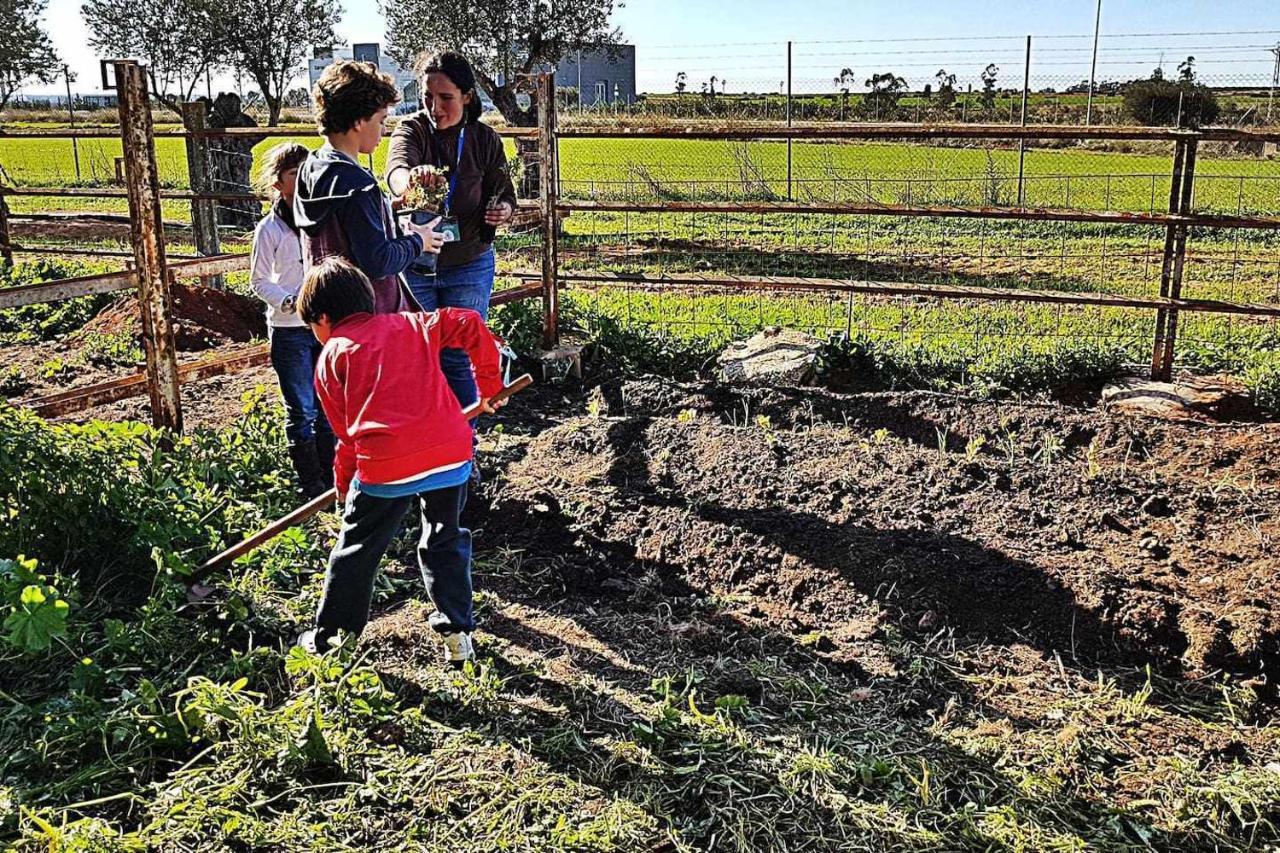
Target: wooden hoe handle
{"x":315,"y":505}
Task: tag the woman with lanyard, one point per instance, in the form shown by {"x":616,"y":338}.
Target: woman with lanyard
{"x":448,"y":134}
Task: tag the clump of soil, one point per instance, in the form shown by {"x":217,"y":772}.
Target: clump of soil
{"x":203,"y":318}
{"x":1075,"y":532}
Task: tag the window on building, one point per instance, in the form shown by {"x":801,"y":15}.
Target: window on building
{"x":602,"y":91}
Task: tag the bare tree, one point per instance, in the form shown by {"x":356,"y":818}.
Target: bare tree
{"x":179,"y":40}
{"x":269,"y":41}
{"x":26,"y":54}
{"x":504,"y":39}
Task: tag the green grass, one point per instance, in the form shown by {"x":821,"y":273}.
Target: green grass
{"x":884,"y":172}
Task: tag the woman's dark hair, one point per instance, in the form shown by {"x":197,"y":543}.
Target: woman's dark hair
{"x":455,"y":66}
{"x":349,"y":91}
{"x":334,"y":288}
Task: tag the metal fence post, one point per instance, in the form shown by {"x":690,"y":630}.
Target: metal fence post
{"x":142,"y":182}
{"x":789,"y":195}
{"x":1185,"y":206}
{"x":204,"y":212}
{"x":547,"y":187}
{"x":1181,"y":190}
{"x":1022,"y":141}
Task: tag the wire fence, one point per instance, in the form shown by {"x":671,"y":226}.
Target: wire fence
{"x":662,"y":220}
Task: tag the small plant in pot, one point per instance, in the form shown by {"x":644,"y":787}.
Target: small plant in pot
{"x":425,"y":200}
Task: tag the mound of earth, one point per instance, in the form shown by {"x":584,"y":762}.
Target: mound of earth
{"x":203,"y":318}
{"x":849,"y":517}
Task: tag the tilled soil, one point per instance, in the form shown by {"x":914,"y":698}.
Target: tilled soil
{"x":1095,"y":538}
{"x":202,"y":318}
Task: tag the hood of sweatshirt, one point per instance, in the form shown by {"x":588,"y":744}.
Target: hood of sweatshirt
{"x":327,"y":179}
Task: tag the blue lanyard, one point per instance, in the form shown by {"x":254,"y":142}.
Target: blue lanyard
{"x":457,"y":167}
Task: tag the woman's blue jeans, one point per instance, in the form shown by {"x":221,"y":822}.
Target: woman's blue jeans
{"x":294,"y":350}
{"x":468,"y":285}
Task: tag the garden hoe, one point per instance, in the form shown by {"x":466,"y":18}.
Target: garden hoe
{"x":196,"y":591}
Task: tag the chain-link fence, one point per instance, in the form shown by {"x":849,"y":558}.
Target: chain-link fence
{"x":1052,"y":234}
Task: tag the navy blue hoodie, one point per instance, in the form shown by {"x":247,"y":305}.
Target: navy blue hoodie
{"x":340,"y":210}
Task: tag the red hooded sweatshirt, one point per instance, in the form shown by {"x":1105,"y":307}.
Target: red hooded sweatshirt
{"x":379,"y":382}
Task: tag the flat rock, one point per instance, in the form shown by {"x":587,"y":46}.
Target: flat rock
{"x":1190,"y":398}
{"x":771,"y":357}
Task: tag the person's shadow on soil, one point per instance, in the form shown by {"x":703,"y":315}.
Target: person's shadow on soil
{"x":721,"y":638}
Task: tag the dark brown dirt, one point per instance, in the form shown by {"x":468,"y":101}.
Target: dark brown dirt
{"x":844,"y":517}
{"x":202,"y":318}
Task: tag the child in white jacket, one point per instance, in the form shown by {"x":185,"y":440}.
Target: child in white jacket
{"x":276,"y":274}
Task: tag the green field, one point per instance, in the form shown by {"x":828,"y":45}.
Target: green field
{"x":884,"y":172}
{"x":1235,"y":265}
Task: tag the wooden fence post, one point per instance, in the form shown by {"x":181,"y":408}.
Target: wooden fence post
{"x":547,"y":187}
{"x":142,"y":182}
{"x":1181,"y":196}
{"x":6,"y":242}
{"x":204,"y":213}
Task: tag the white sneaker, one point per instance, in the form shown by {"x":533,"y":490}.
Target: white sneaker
{"x":307,"y":641}
{"x":458,"y":649}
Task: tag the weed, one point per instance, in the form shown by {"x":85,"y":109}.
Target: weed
{"x":1051,"y":447}
{"x":118,"y":348}
{"x":13,"y":381}
{"x":55,"y":368}
{"x":1093,"y":464}
{"x":974,"y":446}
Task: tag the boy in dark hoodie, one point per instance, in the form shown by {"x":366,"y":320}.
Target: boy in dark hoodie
{"x":338,"y":206}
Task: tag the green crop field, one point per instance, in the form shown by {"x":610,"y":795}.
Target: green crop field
{"x":884,"y":172}
{"x":1235,"y":265}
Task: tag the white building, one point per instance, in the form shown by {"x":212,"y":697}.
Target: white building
{"x":323,"y":57}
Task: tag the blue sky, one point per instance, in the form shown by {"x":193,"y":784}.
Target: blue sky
{"x":744,"y":41}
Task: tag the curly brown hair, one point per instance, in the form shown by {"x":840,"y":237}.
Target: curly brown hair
{"x":349,"y":91}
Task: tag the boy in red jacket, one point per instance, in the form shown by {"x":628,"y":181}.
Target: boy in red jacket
{"x":401,"y":438}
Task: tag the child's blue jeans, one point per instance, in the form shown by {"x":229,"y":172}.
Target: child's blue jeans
{"x":468,"y":285}
{"x":294,"y":351}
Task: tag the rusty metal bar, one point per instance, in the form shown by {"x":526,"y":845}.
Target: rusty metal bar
{"x":24,"y":249}
{"x":93,"y":192}
{"x":858,"y":209}
{"x":515,"y":294}
{"x":89,"y":285}
{"x":547,"y":186}
{"x":784,"y":284}
{"x":69,"y":402}
{"x":142,"y":179}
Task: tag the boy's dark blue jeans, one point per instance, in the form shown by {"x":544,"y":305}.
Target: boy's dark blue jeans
{"x":294,"y":351}
{"x":444,"y":556}
{"x":467,"y":285}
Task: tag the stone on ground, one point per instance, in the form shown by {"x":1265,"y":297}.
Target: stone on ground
{"x":771,"y":357}
{"x":1189,"y":398}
